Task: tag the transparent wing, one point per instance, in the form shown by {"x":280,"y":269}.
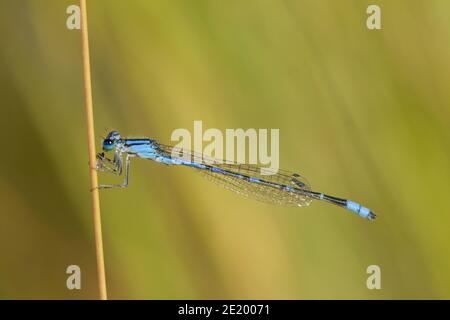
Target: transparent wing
{"x":281,"y":187}
{"x":259,"y":191}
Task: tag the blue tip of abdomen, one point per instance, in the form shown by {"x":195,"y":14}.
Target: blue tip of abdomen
{"x":360,"y":210}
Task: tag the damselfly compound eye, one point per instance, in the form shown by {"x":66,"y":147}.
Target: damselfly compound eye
{"x":108,"y":144}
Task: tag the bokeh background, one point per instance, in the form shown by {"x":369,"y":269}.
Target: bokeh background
{"x":363,"y":114}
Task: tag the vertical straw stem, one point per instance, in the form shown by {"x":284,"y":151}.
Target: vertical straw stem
{"x":92,"y":154}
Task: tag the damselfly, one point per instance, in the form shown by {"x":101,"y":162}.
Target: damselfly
{"x":281,"y":187}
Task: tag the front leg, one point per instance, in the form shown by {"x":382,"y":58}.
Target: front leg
{"x":105,"y":164}
{"x":118,"y":168}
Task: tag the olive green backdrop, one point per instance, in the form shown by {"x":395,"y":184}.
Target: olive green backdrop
{"x":363,"y":114}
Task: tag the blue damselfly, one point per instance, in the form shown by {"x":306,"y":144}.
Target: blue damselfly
{"x":281,"y":187}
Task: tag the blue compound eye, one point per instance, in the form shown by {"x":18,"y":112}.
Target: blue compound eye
{"x":108,"y":144}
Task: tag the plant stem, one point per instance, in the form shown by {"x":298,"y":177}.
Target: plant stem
{"x":92,"y":154}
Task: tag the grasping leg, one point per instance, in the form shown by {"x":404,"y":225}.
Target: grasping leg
{"x":117,"y":169}
{"x":105,"y":164}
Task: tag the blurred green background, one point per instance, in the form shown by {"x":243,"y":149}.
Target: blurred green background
{"x":363,"y":114}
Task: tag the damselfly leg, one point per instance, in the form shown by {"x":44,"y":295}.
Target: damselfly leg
{"x":105,"y":164}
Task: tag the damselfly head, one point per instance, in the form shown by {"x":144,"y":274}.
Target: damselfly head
{"x":110,"y":141}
